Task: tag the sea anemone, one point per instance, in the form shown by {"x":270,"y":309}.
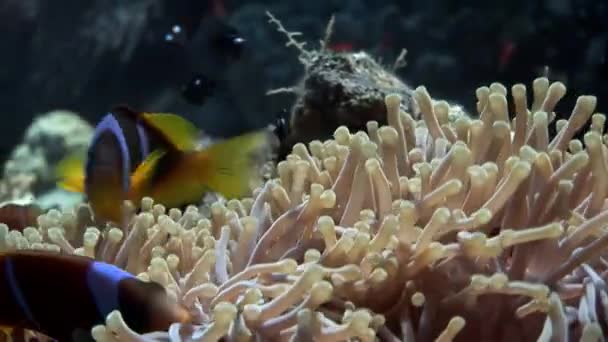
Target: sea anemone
{"x":426,"y":229}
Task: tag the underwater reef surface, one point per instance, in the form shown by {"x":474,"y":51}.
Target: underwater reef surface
{"x":405,"y":217}
{"x":86,"y":56}
{"x":428,"y":228}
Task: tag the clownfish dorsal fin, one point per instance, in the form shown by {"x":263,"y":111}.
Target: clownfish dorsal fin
{"x":171,"y":130}
{"x":180,"y":133}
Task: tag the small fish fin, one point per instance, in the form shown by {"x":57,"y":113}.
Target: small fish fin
{"x":178,"y":131}
{"x":234,"y":163}
{"x":146,"y":169}
{"x":70,"y":173}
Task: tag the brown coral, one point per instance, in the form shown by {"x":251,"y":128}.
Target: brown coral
{"x":431,"y":229}
{"x":337,"y":89}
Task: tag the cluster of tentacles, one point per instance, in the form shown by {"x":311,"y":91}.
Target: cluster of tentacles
{"x":426,"y":229}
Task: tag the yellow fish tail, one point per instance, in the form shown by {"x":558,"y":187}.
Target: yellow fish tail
{"x":70,"y":173}
{"x":234,"y":163}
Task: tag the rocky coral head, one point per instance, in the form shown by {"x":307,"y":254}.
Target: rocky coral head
{"x":49,"y":138}
{"x":338,"y":88}
{"x":342,"y":89}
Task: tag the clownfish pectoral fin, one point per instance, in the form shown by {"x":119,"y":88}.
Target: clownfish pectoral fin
{"x":180,"y":133}
{"x":234,"y":163}
{"x":70,"y":173}
{"x":144,"y":172}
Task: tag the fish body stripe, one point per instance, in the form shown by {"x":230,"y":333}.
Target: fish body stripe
{"x":103,"y":281}
{"x":143,"y":140}
{"x":110,"y":123}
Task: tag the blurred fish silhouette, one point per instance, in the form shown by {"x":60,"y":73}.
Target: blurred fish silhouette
{"x":280,"y":126}
{"x":198,"y":89}
{"x":187,"y":20}
{"x":202,"y":24}
{"x":189,"y":15}
{"x":64,"y":296}
{"x":176,"y":35}
{"x":178,"y":171}
{"x":505,"y":55}
{"x":224,"y":45}
{"x":226,"y":40}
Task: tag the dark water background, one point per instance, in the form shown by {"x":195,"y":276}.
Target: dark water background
{"x":87,"y":56}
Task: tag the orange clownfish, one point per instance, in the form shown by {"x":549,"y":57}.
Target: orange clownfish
{"x":133,"y":155}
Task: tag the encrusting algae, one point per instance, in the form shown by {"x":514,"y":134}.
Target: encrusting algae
{"x":426,"y":229}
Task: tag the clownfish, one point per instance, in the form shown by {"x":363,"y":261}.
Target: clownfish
{"x":133,"y":155}
{"x":64,"y":296}
{"x":138,"y":133}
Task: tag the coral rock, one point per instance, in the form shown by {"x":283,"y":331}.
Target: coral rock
{"x":51,"y":137}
